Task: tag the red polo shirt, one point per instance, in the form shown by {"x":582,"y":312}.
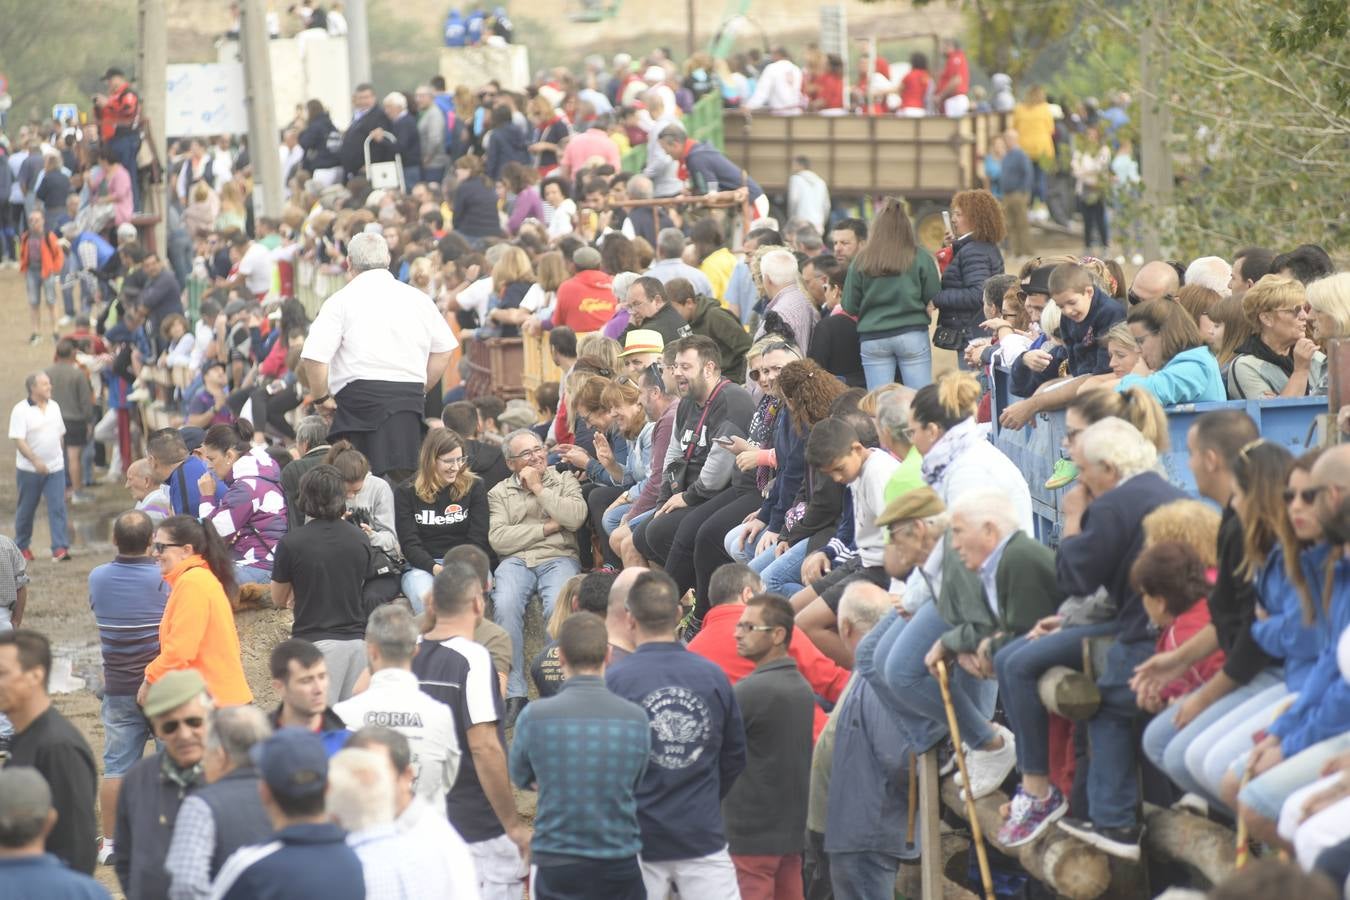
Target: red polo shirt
{"x":716,"y":641}
{"x":585,"y":301}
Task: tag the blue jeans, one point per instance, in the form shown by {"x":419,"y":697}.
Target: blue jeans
{"x":783,"y":575}
{"x":516,"y":583}
{"x":416,"y":584}
{"x":897,"y":648}
{"x":610,"y":520}
{"x":1113,"y":784}
{"x":740,"y":554}
{"x":125,"y":732}
{"x":1019,"y":666}
{"x":1231,"y":738}
{"x":863,"y":876}
{"x":37,"y":286}
{"x":1266,"y":793}
{"x":32,"y":488}
{"x":911,"y":352}
{"x":252,"y":574}
{"x":1168,"y":747}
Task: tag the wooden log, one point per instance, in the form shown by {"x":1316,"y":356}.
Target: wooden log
{"x":1069,"y":693}
{"x":1191,"y":840}
{"x":930,"y":826}
{"x":1064,"y":864}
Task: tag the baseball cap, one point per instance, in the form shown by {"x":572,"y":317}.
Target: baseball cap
{"x":292,"y":762}
{"x":918,"y":503}
{"x":192,"y":435}
{"x":173,"y":690}
{"x":586,"y":258}
{"x":642,"y":340}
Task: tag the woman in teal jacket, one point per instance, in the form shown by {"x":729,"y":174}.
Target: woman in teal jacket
{"x":888,"y":288}
{"x":1184,"y":368}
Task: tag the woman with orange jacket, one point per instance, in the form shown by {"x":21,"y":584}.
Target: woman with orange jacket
{"x":40,"y":261}
{"x":197,"y":631}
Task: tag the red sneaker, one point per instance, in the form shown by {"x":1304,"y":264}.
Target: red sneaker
{"x":60,"y":554}
{"x":27,"y":554}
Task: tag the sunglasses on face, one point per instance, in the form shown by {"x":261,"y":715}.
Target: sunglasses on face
{"x":170,"y":726}
{"x":1307,"y":495}
{"x":159,"y":548}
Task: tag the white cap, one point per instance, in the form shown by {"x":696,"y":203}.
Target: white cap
{"x":654,"y":74}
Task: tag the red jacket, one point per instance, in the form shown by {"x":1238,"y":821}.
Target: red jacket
{"x":585,"y":301}
{"x":716,"y":641}
{"x":1176,"y":634}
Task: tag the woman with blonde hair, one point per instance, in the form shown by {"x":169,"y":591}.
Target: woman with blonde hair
{"x":442,"y":506}
{"x":516,"y":294}
{"x":1330,"y":301}
{"x":1194,"y":523}
{"x":232,"y":213}
{"x":1133,"y":404}
{"x":1279,"y":359}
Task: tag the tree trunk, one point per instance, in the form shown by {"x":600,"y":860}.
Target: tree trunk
{"x":1183,"y":837}
{"x":1069,"y":693}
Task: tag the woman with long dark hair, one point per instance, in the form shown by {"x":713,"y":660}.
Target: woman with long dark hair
{"x":888,"y":288}
{"x":197,"y":631}
{"x":475,"y":204}
{"x":251,"y":515}
{"x":442,"y":506}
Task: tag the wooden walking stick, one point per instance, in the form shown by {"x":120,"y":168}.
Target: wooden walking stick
{"x":976,"y":833}
{"x":913,"y":799}
{"x":1242,"y":851}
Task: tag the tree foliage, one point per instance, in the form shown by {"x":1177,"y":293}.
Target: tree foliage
{"x":54,"y":52}
{"x":1010,"y":35}
{"x":1260,"y":124}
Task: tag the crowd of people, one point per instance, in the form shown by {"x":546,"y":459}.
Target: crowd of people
{"x":759,"y":525}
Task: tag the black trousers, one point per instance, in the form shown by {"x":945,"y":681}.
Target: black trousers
{"x":597,"y":501}
{"x":669,"y":539}
{"x":598,"y":879}
{"x":710,"y":549}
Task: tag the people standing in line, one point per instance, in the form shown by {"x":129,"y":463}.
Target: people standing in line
{"x":36,"y":427}
{"x":27,"y":817}
{"x":765,"y":811}
{"x":127,"y":597}
{"x":47,"y":741}
{"x":225,"y":811}
{"x":198,"y":630}
{"x":153,"y":790}
{"x":692,"y":767}
{"x":585,"y":750}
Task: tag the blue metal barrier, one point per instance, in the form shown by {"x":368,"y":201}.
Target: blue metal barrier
{"x":1293,"y":423}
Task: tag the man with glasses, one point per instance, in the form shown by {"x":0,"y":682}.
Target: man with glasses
{"x":177,"y":706}
{"x":1153,"y":281}
{"x":646,"y":300}
{"x":534,"y":516}
{"x":765,"y":811}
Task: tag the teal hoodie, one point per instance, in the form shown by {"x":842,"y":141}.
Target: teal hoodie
{"x":1192,"y":376}
{"x":892,"y":304}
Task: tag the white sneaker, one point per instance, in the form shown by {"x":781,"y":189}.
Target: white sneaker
{"x":989,"y":768}
{"x":64,"y":321}
{"x":105,"y":851}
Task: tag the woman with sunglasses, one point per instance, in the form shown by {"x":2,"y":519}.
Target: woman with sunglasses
{"x":1287,"y":628}
{"x":442,"y":506}
{"x":1279,"y":359}
{"x":197,"y":631}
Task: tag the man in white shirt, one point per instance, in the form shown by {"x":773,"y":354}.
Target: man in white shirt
{"x":36,"y":428}
{"x":779,"y":89}
{"x":808,"y":195}
{"x":375,"y":349}
{"x":425,"y":838}
{"x":252,"y":265}
{"x":395,"y":700}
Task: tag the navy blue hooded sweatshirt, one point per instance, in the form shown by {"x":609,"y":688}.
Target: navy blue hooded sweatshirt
{"x":698,"y":747}
{"x":1086,"y":340}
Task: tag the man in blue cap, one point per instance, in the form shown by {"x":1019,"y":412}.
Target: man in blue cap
{"x":308,"y":857}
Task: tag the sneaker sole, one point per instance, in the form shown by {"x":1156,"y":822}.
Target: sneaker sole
{"x":1055,"y":815}
{"x":1103,"y":843}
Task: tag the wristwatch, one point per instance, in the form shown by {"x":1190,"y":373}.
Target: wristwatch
{"x":324,"y":399}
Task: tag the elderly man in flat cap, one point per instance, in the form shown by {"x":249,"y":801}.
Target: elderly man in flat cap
{"x":177,"y":706}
